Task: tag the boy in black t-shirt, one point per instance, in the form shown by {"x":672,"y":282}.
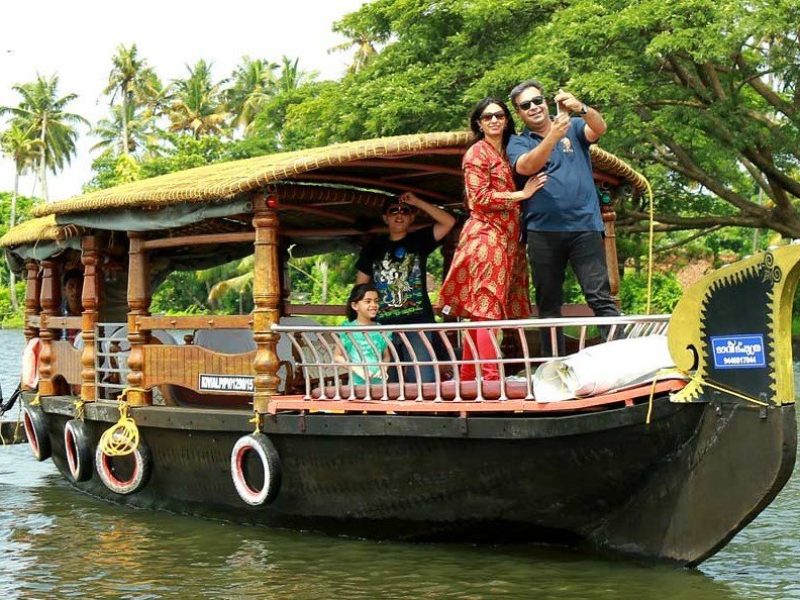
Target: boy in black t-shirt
{"x":397,"y":265}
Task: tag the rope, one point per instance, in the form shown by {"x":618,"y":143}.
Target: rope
{"x":122,"y":438}
{"x":258,"y":420}
{"x":650,"y":246}
{"x":9,"y":404}
{"x":705,"y":382}
{"x":15,"y":436}
{"x":80,"y":411}
{"x":37,"y":401}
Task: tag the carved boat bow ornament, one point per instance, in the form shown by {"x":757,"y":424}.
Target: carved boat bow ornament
{"x":731,"y":332}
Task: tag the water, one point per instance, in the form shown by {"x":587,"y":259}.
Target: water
{"x":56,"y":542}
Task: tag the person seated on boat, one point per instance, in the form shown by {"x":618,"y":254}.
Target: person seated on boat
{"x":71,"y":304}
{"x":397,"y":265}
{"x":488,"y":277}
{"x":364,"y":349}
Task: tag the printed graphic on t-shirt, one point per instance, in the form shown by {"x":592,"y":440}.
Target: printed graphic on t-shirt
{"x":399,"y":281}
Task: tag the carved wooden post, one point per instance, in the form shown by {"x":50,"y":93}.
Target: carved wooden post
{"x":32,"y":292}
{"x":609,"y":218}
{"x":51,"y":303}
{"x":266,"y":299}
{"x":138,"y":305}
{"x":89,"y":300}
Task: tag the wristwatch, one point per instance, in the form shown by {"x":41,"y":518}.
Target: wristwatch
{"x":584,"y":109}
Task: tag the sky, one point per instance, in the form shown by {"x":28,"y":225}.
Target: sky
{"x":76,"y":40}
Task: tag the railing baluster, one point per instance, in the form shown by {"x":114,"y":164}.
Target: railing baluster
{"x":399,"y":341}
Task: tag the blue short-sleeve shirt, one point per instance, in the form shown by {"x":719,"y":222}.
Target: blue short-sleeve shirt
{"x":568,"y":201}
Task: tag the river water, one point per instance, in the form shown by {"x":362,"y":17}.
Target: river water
{"x":56,"y":542}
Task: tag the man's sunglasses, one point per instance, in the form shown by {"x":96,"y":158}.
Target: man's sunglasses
{"x":486,"y":117}
{"x":399,"y":210}
{"x":537,"y":100}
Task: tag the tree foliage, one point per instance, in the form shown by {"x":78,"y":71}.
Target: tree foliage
{"x":702,"y":96}
{"x":44,"y":116}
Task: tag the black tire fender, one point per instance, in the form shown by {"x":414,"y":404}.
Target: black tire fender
{"x":35,"y":422}
{"x":142,"y":466}
{"x":78,"y":449}
{"x":270,"y":463}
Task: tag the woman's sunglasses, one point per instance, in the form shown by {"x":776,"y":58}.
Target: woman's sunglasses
{"x":537,"y":100}
{"x":486,"y":117}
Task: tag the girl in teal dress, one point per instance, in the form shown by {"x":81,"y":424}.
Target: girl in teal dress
{"x":364,"y":350}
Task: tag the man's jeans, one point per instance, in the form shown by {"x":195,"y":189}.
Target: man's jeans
{"x":421,"y":353}
{"x":549,"y":252}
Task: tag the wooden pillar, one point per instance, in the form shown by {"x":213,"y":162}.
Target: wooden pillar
{"x":32,"y":293}
{"x":51,"y":303}
{"x":138,"y":305}
{"x":609,"y":219}
{"x":266,"y":300}
{"x":89,"y":299}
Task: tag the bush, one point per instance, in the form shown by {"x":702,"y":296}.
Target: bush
{"x":9,"y":318}
{"x":665,"y":294}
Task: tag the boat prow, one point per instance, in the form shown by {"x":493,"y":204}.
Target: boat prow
{"x":731,"y":334}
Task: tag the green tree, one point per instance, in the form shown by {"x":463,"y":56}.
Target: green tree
{"x":197,"y":105}
{"x":176,"y":153}
{"x":19,"y":146}
{"x":129,"y":78}
{"x":129,"y":126}
{"x":21,"y":206}
{"x":365,"y":43}
{"x":704,"y":95}
{"x":254,"y":83}
{"x":42,"y":113}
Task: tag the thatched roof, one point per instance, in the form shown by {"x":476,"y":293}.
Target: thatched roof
{"x":43,"y":229}
{"x":426,"y":163}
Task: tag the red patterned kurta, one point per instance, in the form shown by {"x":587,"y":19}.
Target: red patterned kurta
{"x":488,"y":278}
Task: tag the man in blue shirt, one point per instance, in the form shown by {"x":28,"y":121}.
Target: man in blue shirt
{"x":562,"y":220}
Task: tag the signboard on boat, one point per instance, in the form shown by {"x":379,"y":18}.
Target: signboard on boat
{"x":225,"y":383}
{"x":739,"y":351}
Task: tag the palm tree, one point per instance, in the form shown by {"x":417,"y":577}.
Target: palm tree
{"x":127,"y":74}
{"x":253,"y":84}
{"x":196,"y":104}
{"x":365,"y":50}
{"x":137,"y":126}
{"x":153,"y":95}
{"x":23,"y":149}
{"x":291,"y":77}
{"x":42,"y":113}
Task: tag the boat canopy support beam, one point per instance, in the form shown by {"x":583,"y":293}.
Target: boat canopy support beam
{"x":90,"y":296}
{"x":50,"y":302}
{"x":266,"y":299}
{"x":138,"y":306}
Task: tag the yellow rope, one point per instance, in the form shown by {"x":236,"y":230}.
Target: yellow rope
{"x":122,"y":438}
{"x":258,"y":421}
{"x":650,"y":244}
{"x":732,"y":392}
{"x":36,"y":400}
{"x":79,"y":409}
{"x":706,"y":382}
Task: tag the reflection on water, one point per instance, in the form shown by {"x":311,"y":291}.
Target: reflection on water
{"x":56,"y":542}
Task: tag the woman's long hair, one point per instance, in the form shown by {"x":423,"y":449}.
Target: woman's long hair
{"x":356,"y":294}
{"x":475,"y":120}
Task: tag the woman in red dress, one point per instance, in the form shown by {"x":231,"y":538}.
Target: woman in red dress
{"x":488,"y":278}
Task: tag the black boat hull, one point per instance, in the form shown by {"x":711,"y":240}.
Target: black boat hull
{"x":677,"y":489}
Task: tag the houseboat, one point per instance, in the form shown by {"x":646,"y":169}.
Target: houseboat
{"x":250,"y":416}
